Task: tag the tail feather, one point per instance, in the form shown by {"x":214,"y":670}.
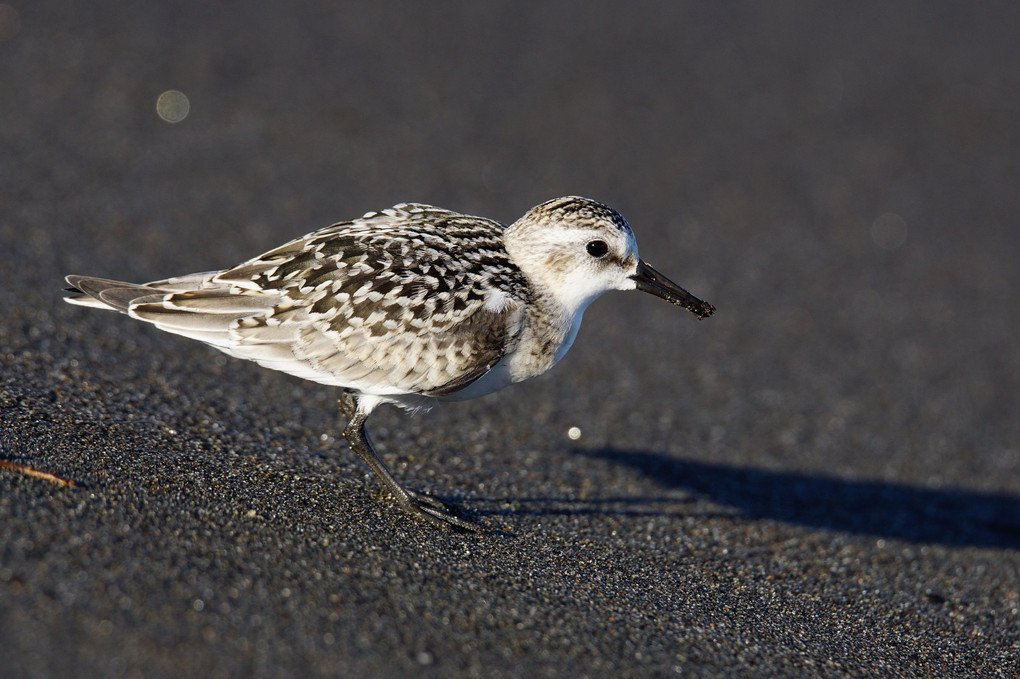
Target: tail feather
{"x":103,"y":293}
{"x":193,"y":306}
{"x":187,"y":283}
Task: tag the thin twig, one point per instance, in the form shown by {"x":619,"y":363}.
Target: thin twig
{"x":28,"y":471}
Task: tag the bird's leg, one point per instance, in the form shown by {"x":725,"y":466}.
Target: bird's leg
{"x":413,"y":502}
{"x":348,"y":409}
{"x":348,"y":403}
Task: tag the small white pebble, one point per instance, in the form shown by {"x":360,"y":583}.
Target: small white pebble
{"x":574,"y":433}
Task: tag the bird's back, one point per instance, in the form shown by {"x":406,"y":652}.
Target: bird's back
{"x":410,"y":300}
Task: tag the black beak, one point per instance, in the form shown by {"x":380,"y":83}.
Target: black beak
{"x":650,"y":280}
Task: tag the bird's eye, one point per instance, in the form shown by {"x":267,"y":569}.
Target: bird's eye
{"x":597,"y":248}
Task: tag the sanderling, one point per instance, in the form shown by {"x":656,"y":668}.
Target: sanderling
{"x":405,"y":306}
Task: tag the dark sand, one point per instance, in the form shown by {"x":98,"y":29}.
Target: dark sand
{"x":821,"y":480}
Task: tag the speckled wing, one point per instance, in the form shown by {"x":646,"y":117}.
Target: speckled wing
{"x":413,"y":299}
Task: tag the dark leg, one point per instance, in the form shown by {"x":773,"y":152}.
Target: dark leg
{"x":417,"y":504}
{"x":348,"y":409}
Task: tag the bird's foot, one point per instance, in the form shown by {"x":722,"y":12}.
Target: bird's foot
{"x":435,"y":511}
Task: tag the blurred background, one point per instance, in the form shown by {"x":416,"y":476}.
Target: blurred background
{"x":840,"y":180}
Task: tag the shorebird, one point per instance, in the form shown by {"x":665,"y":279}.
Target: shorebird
{"x":406,"y":306}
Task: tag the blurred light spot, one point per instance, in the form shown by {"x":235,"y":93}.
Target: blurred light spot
{"x":172,"y":106}
{"x":889,"y":231}
{"x":574,"y":433}
{"x":10,"y":22}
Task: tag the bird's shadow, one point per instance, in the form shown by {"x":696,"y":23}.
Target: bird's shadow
{"x":950,"y":516}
